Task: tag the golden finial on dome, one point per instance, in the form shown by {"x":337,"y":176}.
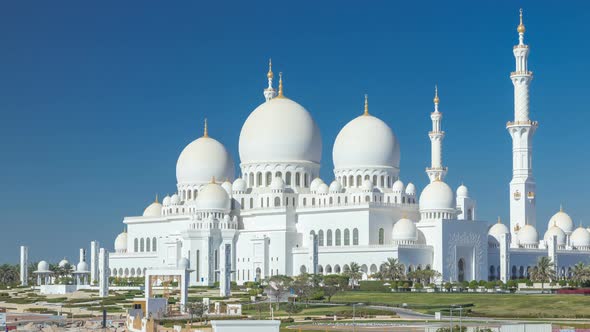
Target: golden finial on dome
{"x":205,"y":129}
{"x":521,"y":28}
{"x":212,"y":179}
{"x":280,"y":86}
{"x":366,"y":105}
{"x":560,"y":207}
{"x":436,"y":100}
{"x":269,"y":74}
{"x":156,"y":201}
{"x":499,"y":220}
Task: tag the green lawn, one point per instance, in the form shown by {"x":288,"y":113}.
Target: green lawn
{"x":489,"y":305}
{"x":318,"y":310}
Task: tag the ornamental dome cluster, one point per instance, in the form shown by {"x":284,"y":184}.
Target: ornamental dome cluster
{"x":563,"y":221}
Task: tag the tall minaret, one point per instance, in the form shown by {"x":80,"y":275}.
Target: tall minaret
{"x":436,"y":171}
{"x":522,"y":129}
{"x":269,"y":93}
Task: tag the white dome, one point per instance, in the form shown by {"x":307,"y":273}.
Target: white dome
{"x":277,"y":183}
{"x":212,"y":197}
{"x":203,"y":159}
{"x":323,"y":189}
{"x":398,"y":186}
{"x":313,"y":186}
{"x":183,"y":263}
{"x":367,"y":185}
{"x":175,"y":199}
{"x":437,"y":196}
{"x":554,"y":230}
{"x":82,"y":267}
{"x":366,"y":141}
{"x":404,"y":230}
{"x":153,"y":210}
{"x":63,"y":263}
{"x":462,"y":191}
{"x":121,"y":242}
{"x":166,"y":201}
{"x":239,"y":185}
{"x":280,"y":130}
{"x":410,"y":189}
{"x":226,"y":185}
{"x":497,"y":230}
{"x":563,"y":221}
{"x":335,"y":187}
{"x":528,"y":235}
{"x":580,"y":237}
{"x":43,"y":266}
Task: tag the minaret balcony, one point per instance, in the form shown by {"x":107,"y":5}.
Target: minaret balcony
{"x":522,"y":123}
{"x":521,"y":73}
{"x":520,"y":46}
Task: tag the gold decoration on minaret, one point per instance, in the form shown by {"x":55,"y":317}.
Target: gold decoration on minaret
{"x":521,"y":28}
{"x":269,"y":74}
{"x":280,"y":86}
{"x":205,"y":129}
{"x":366,"y":105}
{"x":517,"y":228}
{"x":436,"y":100}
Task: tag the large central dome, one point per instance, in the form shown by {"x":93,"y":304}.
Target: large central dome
{"x":280,"y":130}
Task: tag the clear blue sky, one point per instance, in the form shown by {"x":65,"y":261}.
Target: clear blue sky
{"x":98,"y":99}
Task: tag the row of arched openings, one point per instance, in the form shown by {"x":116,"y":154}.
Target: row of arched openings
{"x":337,"y":238}
{"x":145,"y":245}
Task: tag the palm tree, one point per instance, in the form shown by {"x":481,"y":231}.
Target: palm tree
{"x":581,"y":273}
{"x":354,"y":273}
{"x":544,"y":271}
{"x":393,"y":269}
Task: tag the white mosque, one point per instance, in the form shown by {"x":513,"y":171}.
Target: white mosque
{"x":280,"y":217}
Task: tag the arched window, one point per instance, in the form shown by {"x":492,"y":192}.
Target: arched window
{"x":355,"y":237}
{"x":242,"y":203}
{"x":306,"y":180}
{"x":288,"y":178}
{"x":297,"y":179}
{"x":374,"y":180}
{"x":381,"y":236}
{"x":313,"y":201}
{"x":461,"y":268}
{"x":382,"y":181}
{"x":344,"y":181}
{"x":277,"y":202}
{"x":148,"y":245}
{"x":331,"y":201}
{"x":351,"y":181}
{"x":141,"y":245}
{"x":337,"y":268}
{"x":304,"y":201}
{"x":251,"y":202}
{"x":154,"y":245}
{"x":329,"y":238}
{"x":338,"y":239}
{"x":346,"y":237}
{"x":268,"y":178}
{"x":259,"y":179}
{"x":359,"y":180}
{"x":303,"y":269}
{"x":251,"y":178}
{"x":469,"y":214}
{"x":321,"y":238}
{"x":136,"y":245}
{"x":278,"y":175}
{"x":367,"y":199}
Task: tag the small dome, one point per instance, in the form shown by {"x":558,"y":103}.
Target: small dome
{"x":226,"y":185}
{"x":153,"y":210}
{"x":404,"y":230}
{"x":498,"y":229}
{"x":212,"y":197}
{"x":166,"y":201}
{"x":410,"y":189}
{"x":264,"y":139}
{"x":462,"y":191}
{"x":63,"y":263}
{"x":277,"y":183}
{"x":82,"y":267}
{"x":437,"y":196}
{"x":239,"y":185}
{"x":202,"y":159}
{"x":580,"y":238}
{"x":335,"y":187}
{"x":121,"y":242}
{"x":313,"y":186}
{"x":183,"y":263}
{"x":554,"y":230}
{"x":366,"y":141}
{"x":563,"y":221}
{"x":367,"y":185}
{"x":43,"y":266}
{"x":528,"y":235}
{"x":398,"y":186}
{"x":323,"y":189}
{"x":175,"y":199}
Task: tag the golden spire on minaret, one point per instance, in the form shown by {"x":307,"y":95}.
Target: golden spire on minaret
{"x":280,"y":86}
{"x":436,"y":100}
{"x":366,"y":105}
{"x":269,"y":74}
{"x":521,"y":28}
{"x":205,"y":129}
